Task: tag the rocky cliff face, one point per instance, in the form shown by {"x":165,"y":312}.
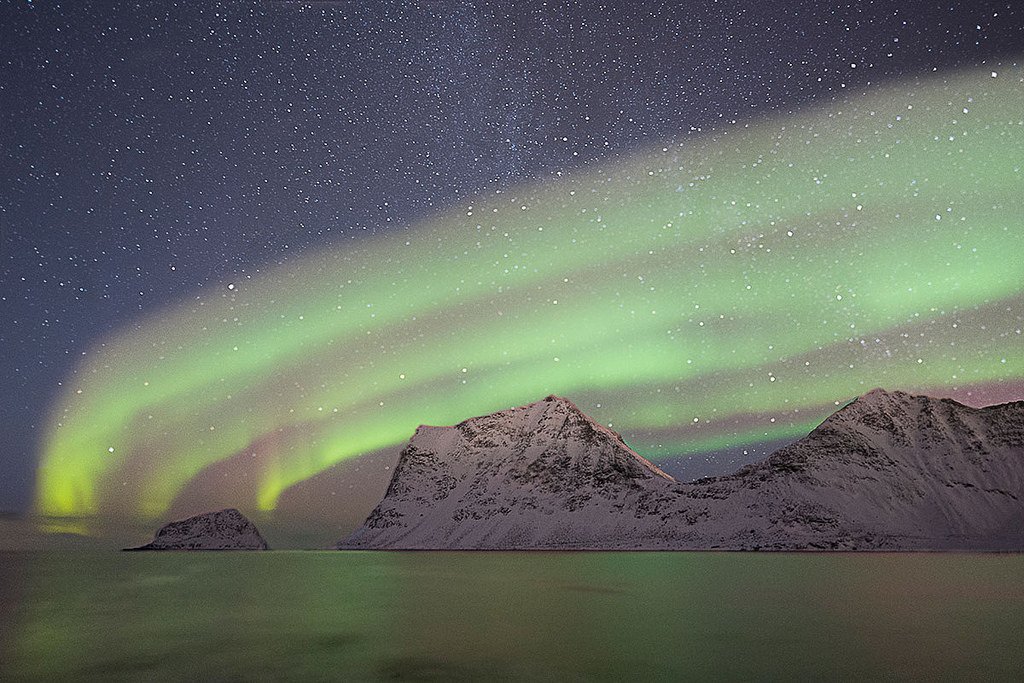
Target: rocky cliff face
{"x":223,"y":530}
{"x":888,"y":471}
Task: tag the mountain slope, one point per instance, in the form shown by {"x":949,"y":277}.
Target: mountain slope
{"x":889,"y":470}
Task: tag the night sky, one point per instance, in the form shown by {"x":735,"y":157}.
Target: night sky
{"x":250,"y":242}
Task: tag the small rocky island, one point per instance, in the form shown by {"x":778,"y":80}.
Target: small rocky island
{"x":222,"y":530}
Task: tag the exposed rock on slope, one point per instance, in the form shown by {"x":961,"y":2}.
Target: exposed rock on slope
{"x":223,"y":530}
{"x":889,"y":470}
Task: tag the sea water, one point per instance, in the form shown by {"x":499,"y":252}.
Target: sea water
{"x":509,"y":616}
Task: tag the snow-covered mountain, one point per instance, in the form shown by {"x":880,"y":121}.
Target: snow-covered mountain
{"x":543,"y":475}
{"x":889,"y":470}
{"x":222,"y":530}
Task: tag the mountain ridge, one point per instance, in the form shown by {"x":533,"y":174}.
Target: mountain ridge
{"x":889,"y":470}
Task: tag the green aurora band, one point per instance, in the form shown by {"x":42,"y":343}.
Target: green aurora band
{"x":719,"y":291}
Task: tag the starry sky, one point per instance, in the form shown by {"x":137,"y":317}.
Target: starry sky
{"x":244,"y":244}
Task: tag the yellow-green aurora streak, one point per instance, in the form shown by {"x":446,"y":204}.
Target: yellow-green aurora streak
{"x":713,"y":291}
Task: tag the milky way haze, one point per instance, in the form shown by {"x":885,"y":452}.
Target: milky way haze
{"x":710,"y":291}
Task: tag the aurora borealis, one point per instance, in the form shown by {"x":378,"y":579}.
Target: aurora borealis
{"x":713,"y":290}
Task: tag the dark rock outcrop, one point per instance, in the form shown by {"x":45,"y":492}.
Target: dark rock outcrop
{"x":223,"y":530}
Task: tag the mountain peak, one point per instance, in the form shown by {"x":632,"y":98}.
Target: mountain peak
{"x":876,"y":399}
{"x":534,"y":430}
{"x":880,"y":395}
{"x":892,"y":403}
{"x":559,"y":400}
